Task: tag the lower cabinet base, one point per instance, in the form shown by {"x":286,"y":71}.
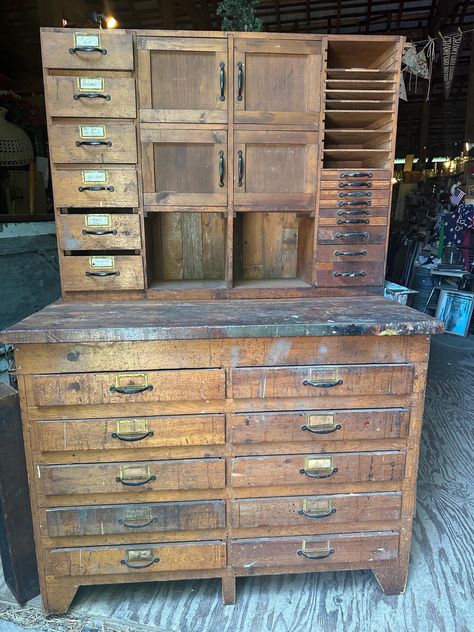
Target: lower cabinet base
{"x":58,"y":594}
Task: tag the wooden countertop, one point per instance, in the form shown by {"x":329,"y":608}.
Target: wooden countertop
{"x":155,"y":320}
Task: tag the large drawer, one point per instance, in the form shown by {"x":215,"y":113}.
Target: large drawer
{"x":93,"y":141}
{"x":318,"y":469}
{"x":102,"y":272}
{"x":99,"y":231}
{"x":337,"y":425}
{"x":349,"y":273}
{"x":121,"y":478}
{"x":105,"y":50}
{"x":315,"y":510}
{"x":130,"y":433}
{"x":149,"y":558}
{"x":106,"y":388}
{"x":120,"y":519}
{"x":322,"y":381}
{"x":314,"y":552}
{"x":114,"y":187}
{"x":108,"y":97}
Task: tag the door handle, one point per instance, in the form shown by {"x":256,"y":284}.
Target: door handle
{"x":222,"y":81}
{"x":240,"y":80}
{"x":240,"y":155}
{"x":221,"y":168}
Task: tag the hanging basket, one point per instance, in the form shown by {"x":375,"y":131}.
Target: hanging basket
{"x":16,"y":149}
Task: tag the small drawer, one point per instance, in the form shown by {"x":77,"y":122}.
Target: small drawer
{"x":125,"y":478}
{"x":101,"y":188}
{"x":93,"y":141}
{"x":354,"y":252}
{"x":91,"y":96}
{"x":314,"y":552}
{"x":88,"y":49}
{"x":99,"y":231}
{"x":355,"y":234}
{"x":130,"y":433}
{"x":79,"y":389}
{"x":347,"y":199}
{"x":119,"y":519}
{"x":319,"y":469}
{"x":102,"y":273}
{"x":363,"y":509}
{"x":334,"y":187}
{"x":308,"y":426}
{"x":348,"y":380}
{"x":347,"y":219}
{"x":352,"y":175}
{"x":143,"y":559}
{"x":350,"y":273}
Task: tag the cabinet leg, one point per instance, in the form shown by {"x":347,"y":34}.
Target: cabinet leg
{"x":57,"y":596}
{"x":228,"y":590}
{"x":392,"y":577}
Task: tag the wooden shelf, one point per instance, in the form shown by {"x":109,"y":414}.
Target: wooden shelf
{"x":355,"y":74}
{"x":346,"y":105}
{"x":360,"y":84}
{"x":274,"y":284}
{"x":365,"y":119}
{"x":183,"y":285}
{"x":362,"y":138}
{"x":354,"y":154}
{"x":355,"y":95}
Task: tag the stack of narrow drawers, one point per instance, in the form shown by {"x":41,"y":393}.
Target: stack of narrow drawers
{"x":93,"y":141}
{"x":219,"y":458}
{"x":353,"y":227}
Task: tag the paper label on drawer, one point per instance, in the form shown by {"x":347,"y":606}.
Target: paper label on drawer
{"x":98,"y":220}
{"x":95,"y":176}
{"x":102,"y":262}
{"x":90,"y":83}
{"x":318,"y":464}
{"x":92,"y":131}
{"x":85,"y":39}
{"x":321,"y":420}
{"x":316,"y":505}
{"x":132,"y":426}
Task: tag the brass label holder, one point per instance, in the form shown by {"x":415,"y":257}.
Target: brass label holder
{"x":131,"y":379}
{"x":132,"y":426}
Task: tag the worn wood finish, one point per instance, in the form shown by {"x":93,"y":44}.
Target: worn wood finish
{"x":99,"y":272}
{"x":118,"y":187}
{"x":99,"y":231}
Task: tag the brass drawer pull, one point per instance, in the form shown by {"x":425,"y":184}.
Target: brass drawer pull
{"x":319,"y":473}
{"x":93,"y":143}
{"x":357,"y":174}
{"x":355,"y":184}
{"x":130,"y":483}
{"x":350,"y":253}
{"x":240,"y":80}
{"x":222,"y":81}
{"x":322,"y":431}
{"x":91,"y":95}
{"x":221,"y":168}
{"x":353,"y":221}
{"x":356,"y":194}
{"x":132,"y":438}
{"x":359,"y":211}
{"x":88,"y":49}
{"x":140,"y":526}
{"x":131,"y":389}
{"x":95,"y":188}
{"x":349,"y":274}
{"x":155,"y":560}
{"x":102,"y":273}
{"x":355,"y":203}
{"x":308,"y":514}
{"x":323,"y":384}
{"x":315,"y":554}
{"x":359,"y":236}
{"x":99,"y":232}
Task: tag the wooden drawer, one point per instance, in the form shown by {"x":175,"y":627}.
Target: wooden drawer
{"x":121,"y":478}
{"x":337,"y":425}
{"x":339,"y":197}
{"x":314,"y":552}
{"x":61,"y":49}
{"x":101,"y":188}
{"x":347,"y":219}
{"x":116,"y":100}
{"x":358,"y":253}
{"x":322,"y":381}
{"x":130,"y":433}
{"x":99,"y":231}
{"x":106,"y":388}
{"x":315,"y":510}
{"x":348,"y":175}
{"x":333,"y":187}
{"x":102,"y":272}
{"x":352,"y":235}
{"x":318,"y":469}
{"x":349,"y":273}
{"x":94,"y":141}
{"x":119,"y":519}
{"x":150,"y":558}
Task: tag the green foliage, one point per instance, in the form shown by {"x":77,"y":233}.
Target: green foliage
{"x":239,"y":15}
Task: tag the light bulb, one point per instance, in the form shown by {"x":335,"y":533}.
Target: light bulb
{"x":111,"y":22}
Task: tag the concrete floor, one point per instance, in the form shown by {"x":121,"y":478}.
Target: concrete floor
{"x":440,"y":585}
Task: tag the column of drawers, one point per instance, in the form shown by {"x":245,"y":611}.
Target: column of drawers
{"x":91,"y":107}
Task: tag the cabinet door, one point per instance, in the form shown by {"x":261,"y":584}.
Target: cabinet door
{"x":182,"y":79}
{"x":275,"y":170}
{"x":184,"y":167}
{"x":277,"y":81}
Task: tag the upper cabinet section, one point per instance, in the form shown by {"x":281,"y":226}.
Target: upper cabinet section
{"x":277,"y":81}
{"x":87,"y":49}
{"x":183,"y":79}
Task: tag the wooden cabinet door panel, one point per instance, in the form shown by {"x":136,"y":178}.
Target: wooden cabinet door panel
{"x":184,"y":167}
{"x":182,"y":79}
{"x":277,"y":81}
{"x":275,"y":170}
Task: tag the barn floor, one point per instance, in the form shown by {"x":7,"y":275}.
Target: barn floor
{"x":440,"y":584}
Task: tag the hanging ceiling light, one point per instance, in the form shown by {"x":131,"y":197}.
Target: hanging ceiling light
{"x":104,"y":20}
